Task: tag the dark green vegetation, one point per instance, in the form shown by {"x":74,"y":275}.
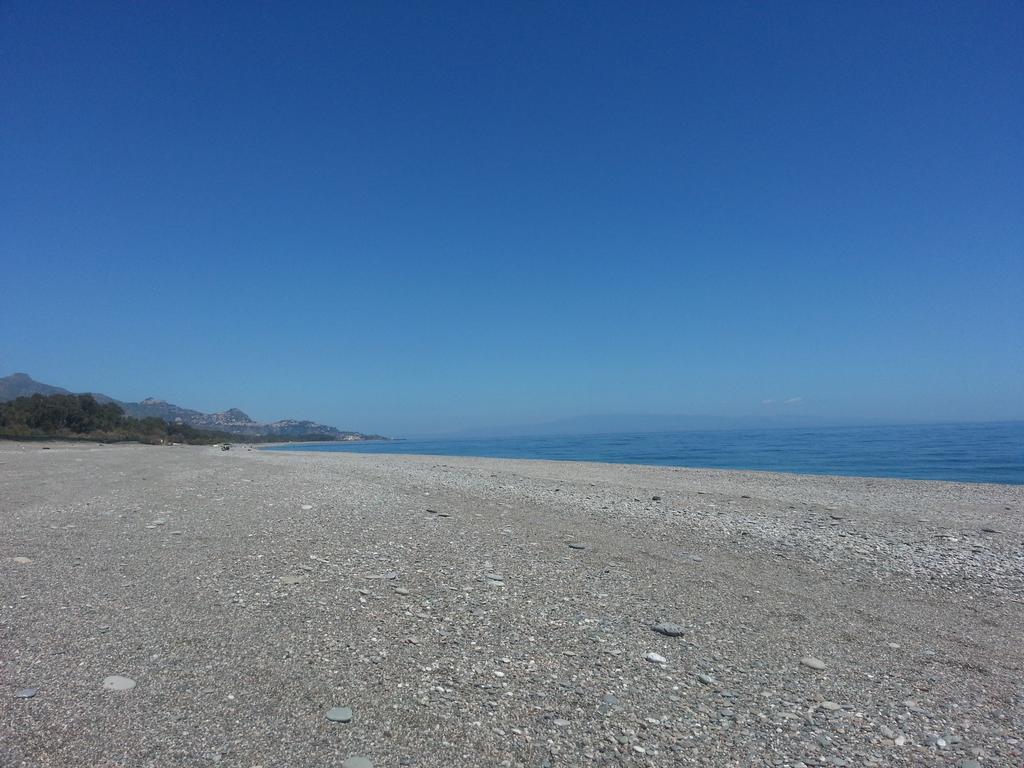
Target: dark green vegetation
{"x":81,"y":417}
{"x":232,"y":421}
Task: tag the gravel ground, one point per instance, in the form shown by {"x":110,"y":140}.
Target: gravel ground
{"x":479,"y":612}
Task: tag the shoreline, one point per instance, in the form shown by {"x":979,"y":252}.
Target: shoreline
{"x":248,"y":591}
{"x":278,"y":448}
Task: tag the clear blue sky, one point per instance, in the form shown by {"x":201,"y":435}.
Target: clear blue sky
{"x":425,"y":216}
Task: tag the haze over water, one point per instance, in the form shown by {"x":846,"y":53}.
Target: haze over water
{"x":977,"y":453}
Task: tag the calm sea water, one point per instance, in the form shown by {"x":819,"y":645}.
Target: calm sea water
{"x":981,"y":453}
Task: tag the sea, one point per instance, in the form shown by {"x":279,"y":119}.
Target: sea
{"x":991,"y":452}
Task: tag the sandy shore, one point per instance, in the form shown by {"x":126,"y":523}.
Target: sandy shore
{"x":247,"y":593}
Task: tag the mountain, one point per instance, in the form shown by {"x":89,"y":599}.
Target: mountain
{"x":22,"y":385}
{"x":623,"y":423}
{"x":232,"y":420}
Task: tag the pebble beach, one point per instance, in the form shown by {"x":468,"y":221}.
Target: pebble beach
{"x":188,"y":606}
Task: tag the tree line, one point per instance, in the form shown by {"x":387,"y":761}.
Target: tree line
{"x":81,"y":417}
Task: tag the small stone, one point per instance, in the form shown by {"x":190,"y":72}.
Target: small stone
{"x":831,"y":706}
{"x":357,"y":762}
{"x":340,"y":714}
{"x":970,"y":764}
{"x":655,"y":498}
{"x":23,"y":560}
{"x":707,"y":679}
{"x":887,"y":732}
{"x":576,"y":545}
{"x":494,"y":577}
{"x":611,"y":700}
{"x":813,"y":663}
{"x":26,"y":693}
{"x":561,"y":723}
{"x":118,"y":683}
{"x":290,"y":579}
{"x":655,"y":658}
{"x":401,"y":591}
{"x":668,"y":629}
{"x":307,"y":506}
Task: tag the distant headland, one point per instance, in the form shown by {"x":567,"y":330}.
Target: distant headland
{"x":232,"y":421}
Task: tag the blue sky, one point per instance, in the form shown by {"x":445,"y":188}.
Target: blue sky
{"x":423,"y":217}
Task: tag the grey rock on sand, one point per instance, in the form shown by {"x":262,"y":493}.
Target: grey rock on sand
{"x":669,"y":629}
{"x":913,"y":607}
{"x":339,"y":714}
{"x":118,"y":683}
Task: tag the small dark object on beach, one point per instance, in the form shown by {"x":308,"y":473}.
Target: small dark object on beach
{"x":669,"y":629}
{"x":226,"y":447}
{"x":655,"y":498}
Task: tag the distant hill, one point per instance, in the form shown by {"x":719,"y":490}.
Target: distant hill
{"x":232,"y":420}
{"x":22,"y":385}
{"x":628,"y":423}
